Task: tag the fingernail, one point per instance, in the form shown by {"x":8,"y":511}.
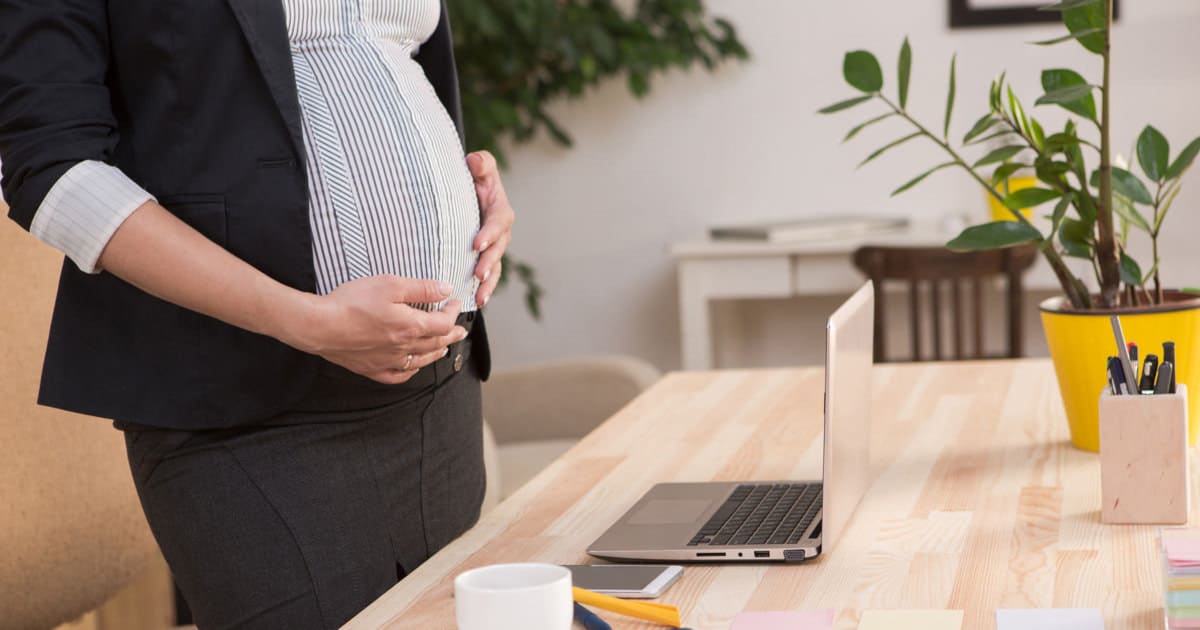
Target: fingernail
{"x":445,"y":351}
{"x":487,"y":274}
{"x":484,"y":245}
{"x":445,"y":288}
{"x":485,"y":300}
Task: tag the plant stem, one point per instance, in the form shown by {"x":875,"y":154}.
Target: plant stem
{"x":1076,"y":292}
{"x":1106,"y":242}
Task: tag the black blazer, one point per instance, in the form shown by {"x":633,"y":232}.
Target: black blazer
{"x":196,"y":101}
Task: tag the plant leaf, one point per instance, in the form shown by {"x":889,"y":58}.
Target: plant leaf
{"x":1050,"y":171}
{"x":999,"y":155}
{"x":997,"y":90}
{"x":1128,"y":213}
{"x":1082,"y":19}
{"x":998,"y":134}
{"x":892,"y":145}
{"x":919,"y":178}
{"x":1068,"y":37}
{"x":994,"y":235}
{"x":1165,"y":207}
{"x":1069,"y":94}
{"x":1184,"y":161}
{"x":1004,"y":171}
{"x":1030,"y":197}
{"x":846,"y":104}
{"x":1060,"y":211}
{"x":1076,"y":238}
{"x":1131,"y":272}
{"x":905,"y":71}
{"x":1125,"y":184}
{"x":950,"y":96}
{"x":980,"y":127}
{"x":1018,"y":111}
{"x":854,"y":131}
{"x":1061,"y":141}
{"x":1153,"y":151}
{"x":862,"y":71}
{"x":1038,"y":134}
{"x":1056,"y":79}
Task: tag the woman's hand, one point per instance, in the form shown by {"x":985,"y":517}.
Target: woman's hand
{"x":368,"y":327}
{"x":496,"y":232}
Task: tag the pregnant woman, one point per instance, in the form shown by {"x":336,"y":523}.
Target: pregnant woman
{"x":277,"y":255}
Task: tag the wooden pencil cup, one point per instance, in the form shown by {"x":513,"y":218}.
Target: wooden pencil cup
{"x":1144,"y":458}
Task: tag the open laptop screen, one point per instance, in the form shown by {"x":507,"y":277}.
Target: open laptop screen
{"x":848,"y":360}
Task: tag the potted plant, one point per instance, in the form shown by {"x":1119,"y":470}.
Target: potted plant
{"x":1095,"y":211}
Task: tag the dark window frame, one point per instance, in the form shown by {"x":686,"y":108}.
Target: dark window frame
{"x":963,"y":16}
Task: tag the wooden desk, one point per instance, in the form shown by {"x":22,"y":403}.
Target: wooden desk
{"x":729,"y":270}
{"x":978,"y":501}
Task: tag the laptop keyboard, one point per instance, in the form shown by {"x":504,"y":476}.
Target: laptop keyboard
{"x":762,"y":514}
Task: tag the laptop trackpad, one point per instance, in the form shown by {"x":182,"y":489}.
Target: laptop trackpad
{"x":669,"y":512}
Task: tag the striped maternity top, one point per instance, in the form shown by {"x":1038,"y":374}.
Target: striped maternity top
{"x":389,"y":188}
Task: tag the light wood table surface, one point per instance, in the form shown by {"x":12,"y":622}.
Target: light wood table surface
{"x":978,"y":501}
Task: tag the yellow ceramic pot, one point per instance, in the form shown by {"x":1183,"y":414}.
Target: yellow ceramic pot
{"x":1081,"y":342}
{"x":1012,"y":184}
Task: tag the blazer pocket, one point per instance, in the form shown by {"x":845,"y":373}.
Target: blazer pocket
{"x":205,"y":213}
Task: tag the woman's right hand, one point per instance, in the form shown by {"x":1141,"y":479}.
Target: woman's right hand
{"x":368,"y":327}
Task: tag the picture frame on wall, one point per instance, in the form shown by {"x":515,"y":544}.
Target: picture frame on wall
{"x":977,"y":13}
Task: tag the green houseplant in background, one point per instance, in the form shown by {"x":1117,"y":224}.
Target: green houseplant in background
{"x":1095,"y":211}
{"x":516,"y":58}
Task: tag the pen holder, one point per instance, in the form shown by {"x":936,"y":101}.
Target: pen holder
{"x":1144,"y":458}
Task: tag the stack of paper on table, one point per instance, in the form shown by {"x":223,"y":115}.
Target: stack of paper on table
{"x":1181,"y":563}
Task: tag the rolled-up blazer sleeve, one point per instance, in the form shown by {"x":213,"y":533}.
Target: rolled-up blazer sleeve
{"x":55,"y":107}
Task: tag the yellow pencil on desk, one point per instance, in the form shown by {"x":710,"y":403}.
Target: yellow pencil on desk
{"x":649,"y":611}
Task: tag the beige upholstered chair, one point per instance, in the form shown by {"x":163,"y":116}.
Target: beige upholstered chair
{"x":537,"y":413}
{"x":71,"y":531}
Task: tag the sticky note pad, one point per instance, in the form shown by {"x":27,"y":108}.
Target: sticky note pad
{"x":789,"y":620}
{"x":911,"y":620}
{"x":1049,"y":619}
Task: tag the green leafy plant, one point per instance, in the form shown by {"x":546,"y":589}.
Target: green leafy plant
{"x":515,"y":58}
{"x":1094,"y":210}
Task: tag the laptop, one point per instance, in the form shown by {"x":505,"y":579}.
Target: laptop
{"x":759,"y":521}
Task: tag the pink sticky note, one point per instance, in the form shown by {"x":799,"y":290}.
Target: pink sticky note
{"x":1182,"y":549}
{"x":789,"y":620}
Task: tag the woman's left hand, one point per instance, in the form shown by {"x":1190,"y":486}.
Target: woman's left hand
{"x":496,"y":232}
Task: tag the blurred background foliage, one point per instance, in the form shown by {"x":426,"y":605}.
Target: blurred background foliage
{"x":516,"y":57}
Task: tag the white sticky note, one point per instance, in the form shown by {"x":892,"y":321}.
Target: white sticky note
{"x":1049,"y":619}
{"x":911,"y":620}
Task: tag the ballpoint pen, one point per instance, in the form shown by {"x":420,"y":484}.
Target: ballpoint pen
{"x":1169,"y":355}
{"x":1149,"y":371}
{"x":1116,"y":377}
{"x":1123,"y":354}
{"x":649,"y":611}
{"x":1166,"y":374}
{"x":589,"y":620}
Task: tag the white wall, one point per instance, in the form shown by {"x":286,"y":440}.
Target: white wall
{"x":745,"y":144}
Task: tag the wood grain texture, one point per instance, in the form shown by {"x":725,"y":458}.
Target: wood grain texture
{"x":978,"y":501}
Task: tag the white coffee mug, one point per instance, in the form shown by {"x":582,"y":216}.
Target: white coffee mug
{"x":524,"y":596}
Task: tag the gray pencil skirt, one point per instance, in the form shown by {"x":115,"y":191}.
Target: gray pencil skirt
{"x":303,"y":521}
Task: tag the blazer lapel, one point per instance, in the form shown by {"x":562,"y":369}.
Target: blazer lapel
{"x":265,"y":27}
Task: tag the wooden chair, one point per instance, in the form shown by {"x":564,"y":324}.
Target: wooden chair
{"x":940,"y":268}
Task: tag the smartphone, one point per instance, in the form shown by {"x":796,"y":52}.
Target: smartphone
{"x":631,"y":581}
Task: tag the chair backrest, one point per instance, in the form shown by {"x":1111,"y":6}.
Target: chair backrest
{"x":964,"y":276}
{"x":71,"y":530}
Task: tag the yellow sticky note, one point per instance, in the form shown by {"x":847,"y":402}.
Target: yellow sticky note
{"x":911,"y":620}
